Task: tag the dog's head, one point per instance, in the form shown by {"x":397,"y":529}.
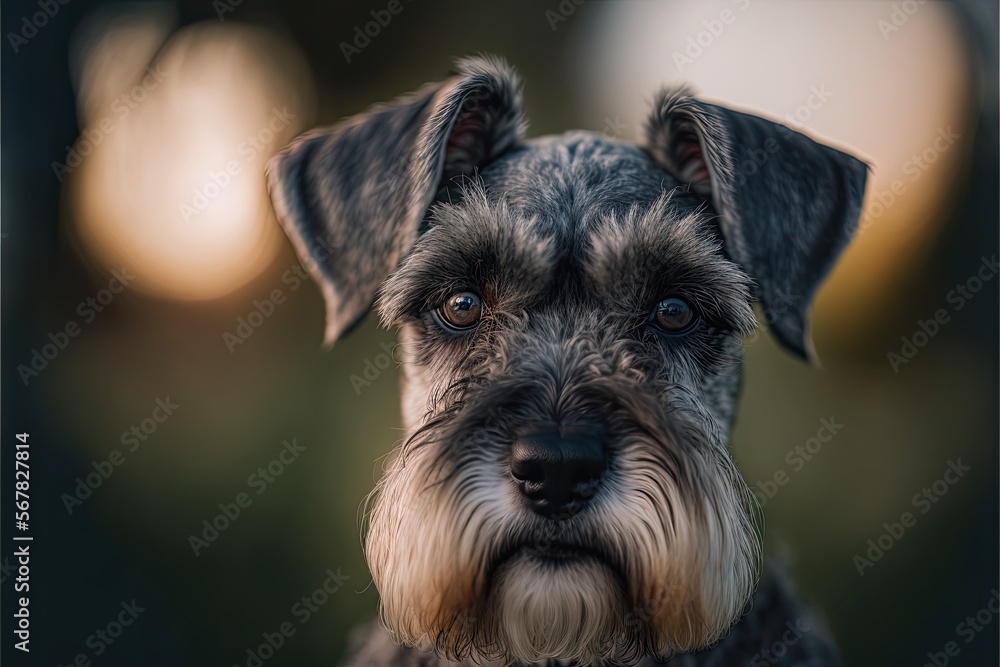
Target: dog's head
{"x":571,"y":311}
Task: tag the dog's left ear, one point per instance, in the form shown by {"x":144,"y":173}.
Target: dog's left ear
{"x":351,"y":197}
{"x":788,"y":205}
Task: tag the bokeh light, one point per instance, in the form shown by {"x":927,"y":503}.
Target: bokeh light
{"x":169,"y":182}
{"x":873,"y":66}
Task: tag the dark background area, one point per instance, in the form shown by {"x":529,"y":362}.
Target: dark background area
{"x":130,"y":538}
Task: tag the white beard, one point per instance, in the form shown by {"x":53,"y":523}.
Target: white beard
{"x":540,"y":610}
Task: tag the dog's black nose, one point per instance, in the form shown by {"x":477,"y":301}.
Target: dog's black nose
{"x":556,"y":473}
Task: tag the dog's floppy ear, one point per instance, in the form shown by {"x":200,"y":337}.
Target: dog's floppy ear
{"x":787,"y":205}
{"x":351,"y":197}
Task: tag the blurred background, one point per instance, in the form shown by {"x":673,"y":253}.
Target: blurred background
{"x":163,"y":353}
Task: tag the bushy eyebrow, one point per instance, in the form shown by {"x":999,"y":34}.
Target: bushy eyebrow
{"x":639,"y":257}
{"x":480,"y":243}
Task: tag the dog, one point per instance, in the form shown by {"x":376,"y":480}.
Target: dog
{"x":571,"y":313}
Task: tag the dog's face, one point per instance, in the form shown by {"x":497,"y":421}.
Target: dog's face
{"x":571,"y":312}
{"x":571,"y":361}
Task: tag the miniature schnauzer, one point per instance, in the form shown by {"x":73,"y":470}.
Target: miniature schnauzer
{"x":571,"y":311}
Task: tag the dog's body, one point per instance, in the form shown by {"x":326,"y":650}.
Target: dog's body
{"x":571,"y":312}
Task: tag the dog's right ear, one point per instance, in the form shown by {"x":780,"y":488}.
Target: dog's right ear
{"x":351,"y":197}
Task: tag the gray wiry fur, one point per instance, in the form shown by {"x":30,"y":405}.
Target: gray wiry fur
{"x":331,"y":185}
{"x":571,"y":241}
{"x":788,"y":205}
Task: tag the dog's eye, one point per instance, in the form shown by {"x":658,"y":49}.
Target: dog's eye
{"x":461,"y":310}
{"x":674,"y":316}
